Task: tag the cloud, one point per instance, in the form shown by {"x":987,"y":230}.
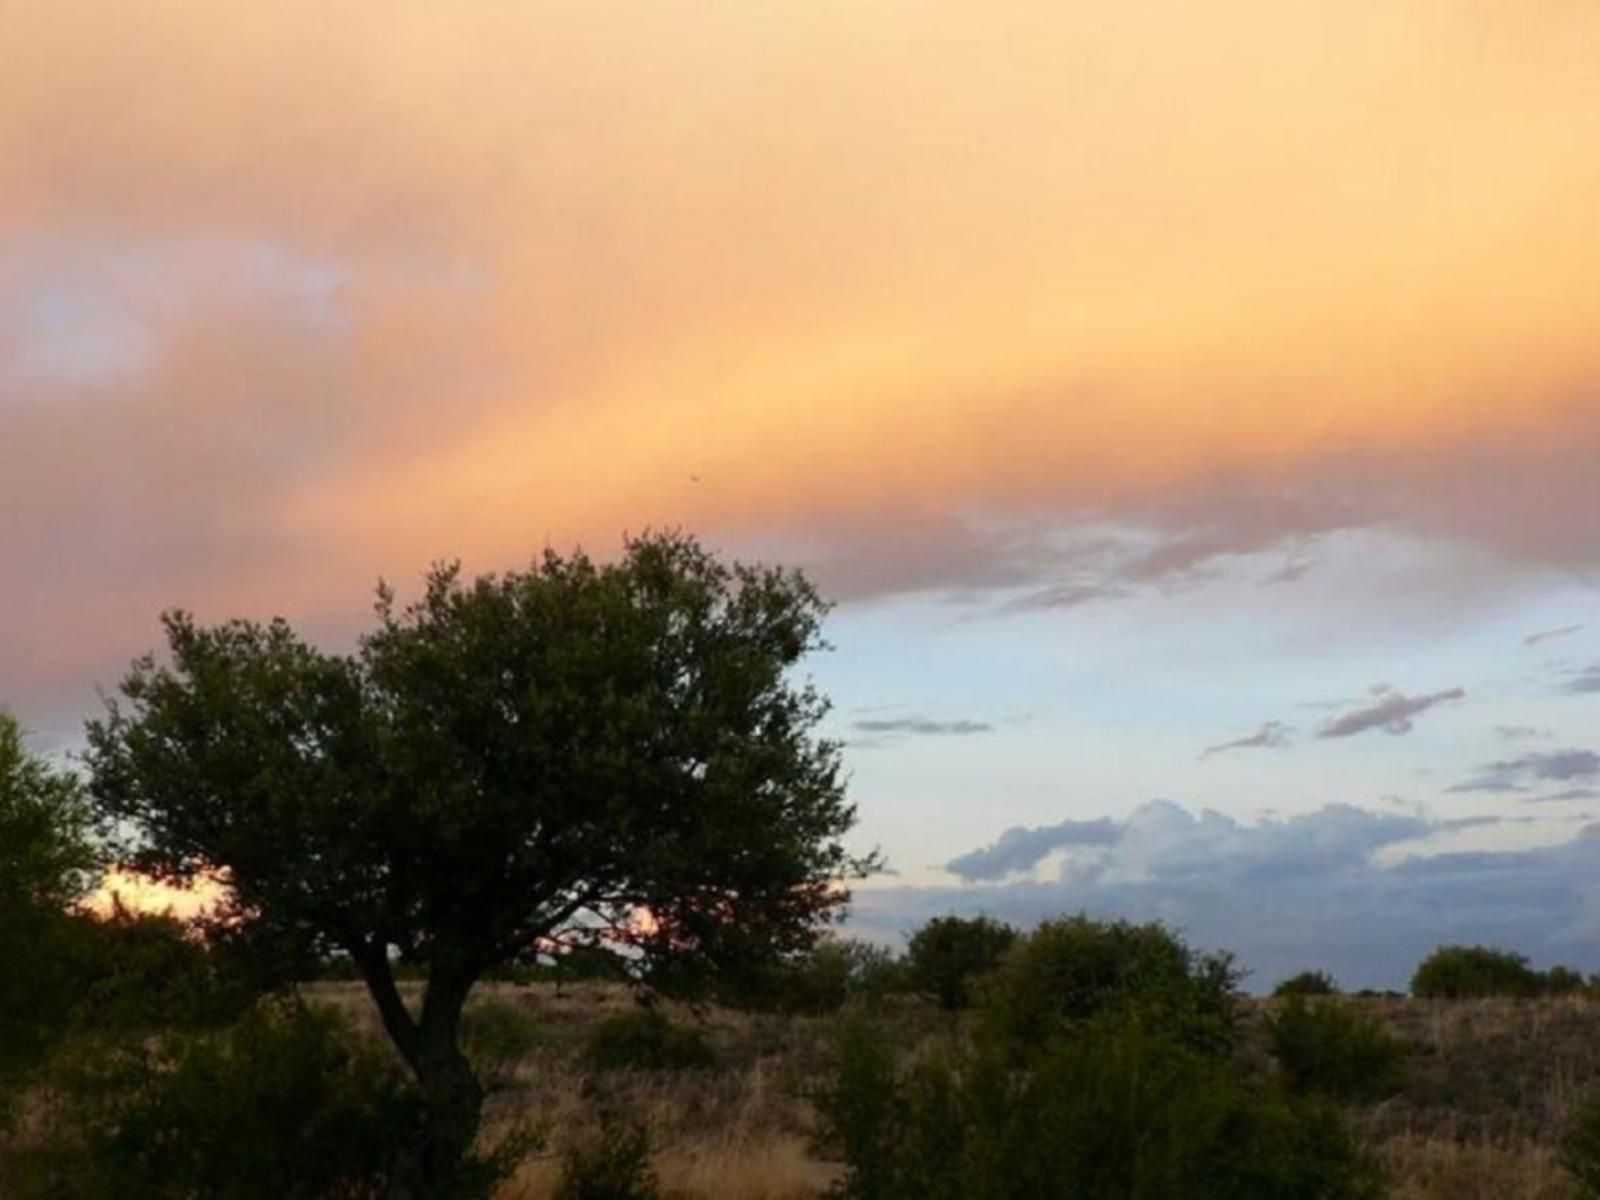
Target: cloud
{"x":1307,"y":891}
{"x":1583,"y":682}
{"x":1393,"y":712}
{"x":1547,"y":635}
{"x":1578,"y":793}
{"x":1520,"y":733}
{"x":491,"y":275}
{"x":923,"y":726}
{"x":1272,"y":735}
{"x":1519,"y":774}
{"x":1021,"y":849}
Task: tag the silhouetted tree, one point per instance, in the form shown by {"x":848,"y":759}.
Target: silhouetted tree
{"x":605,"y":755}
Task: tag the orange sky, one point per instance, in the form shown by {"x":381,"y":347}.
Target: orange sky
{"x":408,"y":280}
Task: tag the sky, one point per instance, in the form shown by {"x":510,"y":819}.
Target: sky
{"x":1192,"y":409}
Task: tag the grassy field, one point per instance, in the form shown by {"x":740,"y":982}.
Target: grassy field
{"x":1490,"y":1085}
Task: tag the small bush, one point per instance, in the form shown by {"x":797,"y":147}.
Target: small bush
{"x":1580,"y":1148}
{"x":1325,"y":1048}
{"x":821,"y":980}
{"x":647,"y":1041}
{"x":946,"y":956}
{"x":1074,"y":970}
{"x":497,"y":1035}
{"x":1464,"y":972}
{"x":617,"y":1167}
{"x":1561,"y":981}
{"x":1307,"y":983}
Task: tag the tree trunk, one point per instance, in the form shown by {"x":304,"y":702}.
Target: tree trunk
{"x":452,"y":1101}
{"x":429,"y":1167}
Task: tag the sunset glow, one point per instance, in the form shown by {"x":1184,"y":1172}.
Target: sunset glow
{"x":1158,"y":385}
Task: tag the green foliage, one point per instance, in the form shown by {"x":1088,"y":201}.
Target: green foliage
{"x":497,"y":1035}
{"x":1307,"y":983}
{"x":1461,"y":972}
{"x":47,"y":862}
{"x":819,"y":980}
{"x":1075,"y":969}
{"x":1580,"y":1148}
{"x":1113,"y":1112}
{"x":1325,"y":1047}
{"x":1561,"y":981}
{"x":617,"y":1167}
{"x":647,"y":1041}
{"x":946,"y":956}
{"x":514,"y":760}
{"x":283,"y":1105}
{"x":148,"y":972}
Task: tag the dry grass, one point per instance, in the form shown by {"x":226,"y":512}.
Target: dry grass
{"x":1491,"y":1085}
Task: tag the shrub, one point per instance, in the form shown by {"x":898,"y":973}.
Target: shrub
{"x":946,"y":955}
{"x":821,"y":980}
{"x":284,"y":1105}
{"x":1461,"y":972}
{"x":1325,"y":1048}
{"x":1114,"y":1112}
{"x":617,"y":1167}
{"x":1307,"y":983}
{"x":647,"y":1041}
{"x":1076,"y":969}
{"x":1580,"y":1148}
{"x":497,"y":1035}
{"x":1561,"y":981}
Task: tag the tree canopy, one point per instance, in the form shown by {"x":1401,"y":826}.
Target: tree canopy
{"x":581,"y":753}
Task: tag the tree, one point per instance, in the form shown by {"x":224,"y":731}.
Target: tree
{"x":608,"y":755}
{"x":1457,"y":972}
{"x":948,"y":954}
{"x":46,"y":864}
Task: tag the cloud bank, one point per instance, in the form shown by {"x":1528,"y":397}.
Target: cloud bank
{"x":1308,"y":891}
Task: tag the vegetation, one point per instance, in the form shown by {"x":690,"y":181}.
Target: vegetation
{"x":283,"y":1105}
{"x":946,"y":957}
{"x":647,"y":1041}
{"x":1307,"y":983}
{"x":615,"y":1167}
{"x":1327,"y":1048}
{"x":1464,"y":972}
{"x":1103,"y":1069}
{"x":46,"y":864}
{"x":517,"y":761}
{"x":1075,"y":970}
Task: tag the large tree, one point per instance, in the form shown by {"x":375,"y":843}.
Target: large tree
{"x":610,"y":755}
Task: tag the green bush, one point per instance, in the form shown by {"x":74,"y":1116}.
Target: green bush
{"x":821,"y":980}
{"x":1561,"y":981}
{"x":1326,"y":1048}
{"x":284,"y":1105}
{"x":617,"y":1167}
{"x":1463,"y":972}
{"x":1076,"y":969}
{"x":1580,"y":1148}
{"x":647,"y":1041}
{"x":1113,"y":1112}
{"x":946,"y":956}
{"x":497,"y":1035}
{"x":1307,"y":983}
